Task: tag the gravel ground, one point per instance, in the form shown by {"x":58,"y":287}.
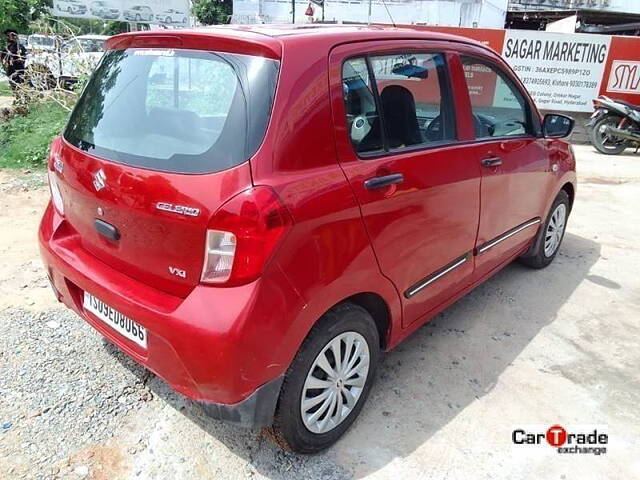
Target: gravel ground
{"x":561,"y":345}
{"x":27,"y":180}
{"x":59,"y":387}
{"x":66,"y":393}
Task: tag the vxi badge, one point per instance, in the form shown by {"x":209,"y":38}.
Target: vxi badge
{"x":589,"y":439}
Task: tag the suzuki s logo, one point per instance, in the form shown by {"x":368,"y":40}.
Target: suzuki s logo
{"x":99,"y":180}
{"x":177,"y":272}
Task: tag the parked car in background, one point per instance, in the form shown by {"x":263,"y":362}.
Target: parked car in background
{"x":138,"y":13}
{"x":75,"y":57}
{"x":42,"y":43}
{"x":104,"y":10}
{"x":171,"y":16}
{"x":260,"y":257}
{"x":74,"y":7}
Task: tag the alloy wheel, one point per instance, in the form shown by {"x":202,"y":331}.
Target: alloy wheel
{"x":555,"y":229}
{"x":335,"y":382}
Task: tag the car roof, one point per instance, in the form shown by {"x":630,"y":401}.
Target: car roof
{"x":272,"y":39}
{"x":354,"y":32}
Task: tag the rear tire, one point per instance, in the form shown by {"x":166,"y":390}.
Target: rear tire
{"x":550,"y":235}
{"x":349,"y":330}
{"x":603,"y":142}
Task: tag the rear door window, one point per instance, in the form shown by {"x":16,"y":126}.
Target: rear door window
{"x":407,"y":104}
{"x":415,"y":100}
{"x":181,"y":111}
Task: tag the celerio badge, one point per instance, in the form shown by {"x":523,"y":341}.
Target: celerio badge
{"x":179,"y":209}
{"x":99,"y":180}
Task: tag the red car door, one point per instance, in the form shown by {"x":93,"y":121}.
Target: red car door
{"x":514,"y":161}
{"x":394,"y":107}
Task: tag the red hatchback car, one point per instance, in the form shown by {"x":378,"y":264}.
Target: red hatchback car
{"x":256,"y":213}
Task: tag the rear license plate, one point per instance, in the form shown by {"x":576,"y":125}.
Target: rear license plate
{"x":116,"y":320}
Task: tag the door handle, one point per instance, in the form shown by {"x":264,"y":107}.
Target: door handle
{"x":491,"y":162}
{"x":384,"y":181}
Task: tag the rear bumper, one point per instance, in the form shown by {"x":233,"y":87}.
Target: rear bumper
{"x":254,"y":411}
{"x":217,"y":346}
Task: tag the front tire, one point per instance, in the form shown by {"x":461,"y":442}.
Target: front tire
{"x":329,"y":380}
{"x":604,"y":142}
{"x":550,"y":235}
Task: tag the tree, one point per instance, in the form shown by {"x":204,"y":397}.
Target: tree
{"x":66,"y":27}
{"x":114,"y":28}
{"x":18,"y":14}
{"x":211,"y":12}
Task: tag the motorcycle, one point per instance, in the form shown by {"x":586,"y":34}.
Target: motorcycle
{"x":614,"y":125}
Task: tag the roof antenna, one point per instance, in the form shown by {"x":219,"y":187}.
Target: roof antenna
{"x":388,"y":13}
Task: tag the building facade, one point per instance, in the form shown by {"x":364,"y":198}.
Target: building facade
{"x":464,"y":13}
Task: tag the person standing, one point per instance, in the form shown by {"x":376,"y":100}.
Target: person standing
{"x":13,"y":57}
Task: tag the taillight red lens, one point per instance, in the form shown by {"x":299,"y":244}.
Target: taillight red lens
{"x":55,"y":165}
{"x":256,"y":220}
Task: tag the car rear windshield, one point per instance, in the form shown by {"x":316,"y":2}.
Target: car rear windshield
{"x":183,"y":111}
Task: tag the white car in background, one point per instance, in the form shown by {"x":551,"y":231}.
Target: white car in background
{"x":171,"y":17}
{"x":37,"y":42}
{"x":74,"y":7}
{"x":103,"y":10}
{"x":138,"y":13}
{"x":76,"y":57}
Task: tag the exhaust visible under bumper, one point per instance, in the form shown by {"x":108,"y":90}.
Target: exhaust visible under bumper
{"x":622,"y":134}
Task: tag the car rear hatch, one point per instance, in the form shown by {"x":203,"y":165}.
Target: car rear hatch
{"x":158,"y":141}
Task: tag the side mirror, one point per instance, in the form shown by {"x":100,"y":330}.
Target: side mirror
{"x":557,"y":126}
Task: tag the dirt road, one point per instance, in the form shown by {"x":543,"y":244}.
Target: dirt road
{"x":561,"y":345}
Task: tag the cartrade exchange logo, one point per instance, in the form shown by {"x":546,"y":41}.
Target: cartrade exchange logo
{"x":591,"y":439}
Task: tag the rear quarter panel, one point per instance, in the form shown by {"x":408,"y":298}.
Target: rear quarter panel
{"x":326,"y":256}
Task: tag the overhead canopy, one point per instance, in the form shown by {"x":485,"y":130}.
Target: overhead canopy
{"x":587,"y":21}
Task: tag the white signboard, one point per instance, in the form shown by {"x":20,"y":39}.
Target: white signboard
{"x":169,"y":12}
{"x":560,"y":71}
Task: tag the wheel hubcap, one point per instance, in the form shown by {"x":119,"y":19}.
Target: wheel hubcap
{"x":555,"y":229}
{"x":335,"y":382}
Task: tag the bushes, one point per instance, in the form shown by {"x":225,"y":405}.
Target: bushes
{"x":24,"y":139}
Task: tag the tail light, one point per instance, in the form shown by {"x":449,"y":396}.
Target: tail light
{"x":55,"y":163}
{"x":56,"y":195}
{"x":242,"y":236}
